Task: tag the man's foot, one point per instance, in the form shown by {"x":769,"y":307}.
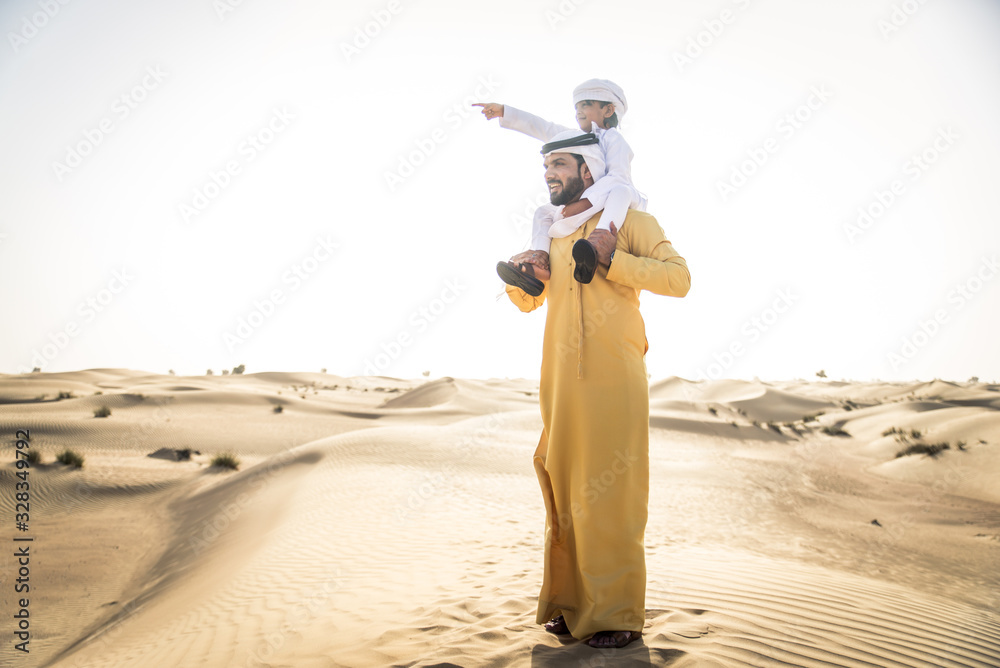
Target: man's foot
{"x":557,"y":625}
{"x":613,"y":639}
{"x":520,"y":276}
{"x":585,"y":256}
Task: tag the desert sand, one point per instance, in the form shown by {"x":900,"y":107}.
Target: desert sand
{"x":385,"y":522}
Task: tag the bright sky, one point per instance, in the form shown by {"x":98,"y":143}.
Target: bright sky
{"x":241,"y":181}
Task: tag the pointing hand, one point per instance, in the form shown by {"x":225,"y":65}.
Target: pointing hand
{"x":490,"y":109}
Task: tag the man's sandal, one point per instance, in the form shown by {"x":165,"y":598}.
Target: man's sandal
{"x":557,"y":625}
{"x":618,"y":639}
{"x":520,"y":276}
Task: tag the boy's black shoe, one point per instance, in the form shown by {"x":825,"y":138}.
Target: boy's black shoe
{"x":585,"y":256}
{"x":520,"y":276}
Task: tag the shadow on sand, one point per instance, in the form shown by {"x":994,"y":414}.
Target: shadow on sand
{"x":578,"y":653}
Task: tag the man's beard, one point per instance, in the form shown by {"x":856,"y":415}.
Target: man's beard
{"x":572,"y":189}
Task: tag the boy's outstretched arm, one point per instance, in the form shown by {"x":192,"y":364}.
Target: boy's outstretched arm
{"x":515,"y":119}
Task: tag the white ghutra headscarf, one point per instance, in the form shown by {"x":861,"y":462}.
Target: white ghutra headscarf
{"x":586,"y":145}
{"x":602,"y":90}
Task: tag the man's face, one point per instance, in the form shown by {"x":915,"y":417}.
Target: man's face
{"x":565,"y":178}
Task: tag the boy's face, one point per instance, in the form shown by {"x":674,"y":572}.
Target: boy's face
{"x":589,"y":111}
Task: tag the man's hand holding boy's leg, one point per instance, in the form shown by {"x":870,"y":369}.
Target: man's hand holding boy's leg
{"x":538,"y":259}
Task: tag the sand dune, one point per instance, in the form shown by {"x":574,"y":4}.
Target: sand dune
{"x":385,"y":522}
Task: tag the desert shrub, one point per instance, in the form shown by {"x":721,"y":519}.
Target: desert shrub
{"x":773,"y":426}
{"x":923,"y":449}
{"x":70,"y":458}
{"x":65,"y":395}
{"x":226,"y":460}
{"x":279,"y":408}
{"x":903,"y":436}
{"x":183,"y":455}
{"x":102,"y":412}
{"x":961,"y":445}
{"x":712,"y":411}
{"x":34,"y":456}
{"x":239,"y":369}
{"x":834,"y":431}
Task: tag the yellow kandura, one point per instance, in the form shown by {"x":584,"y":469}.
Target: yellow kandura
{"x":592,"y":458}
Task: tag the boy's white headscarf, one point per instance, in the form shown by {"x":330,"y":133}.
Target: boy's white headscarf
{"x":602,"y":90}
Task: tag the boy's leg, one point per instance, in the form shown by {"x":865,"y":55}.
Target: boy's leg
{"x":545,"y":215}
{"x":529,"y":269}
{"x":584,"y":254}
{"x":616,"y":208}
{"x":540,"y":241}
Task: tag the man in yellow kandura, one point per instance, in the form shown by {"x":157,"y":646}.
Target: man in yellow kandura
{"x":592,"y":458}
